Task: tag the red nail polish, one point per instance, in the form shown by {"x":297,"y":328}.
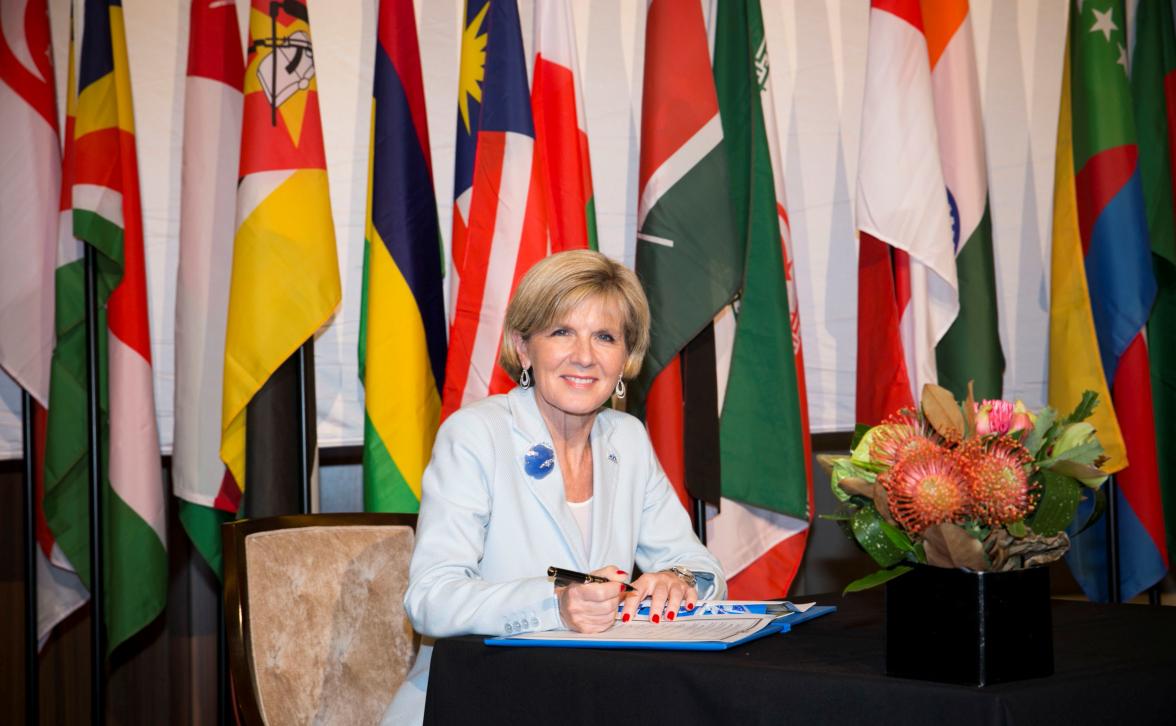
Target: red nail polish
{"x":622,"y":572}
{"x":625,"y":618}
{"x":655,"y":619}
{"x":689,"y":606}
{"x":622,"y":587}
{"x":670,"y":615}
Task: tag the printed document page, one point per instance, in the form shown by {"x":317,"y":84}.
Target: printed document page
{"x":702,"y":629}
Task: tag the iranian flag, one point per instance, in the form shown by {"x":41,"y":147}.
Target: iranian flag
{"x":29,"y":198}
{"x":208,"y":199}
{"x":688,"y":257}
{"x":561,"y":136}
{"x":1153,"y":80}
{"x":971,"y":350}
{"x":106,"y":216}
{"x":907,"y":296}
{"x":760,"y":531}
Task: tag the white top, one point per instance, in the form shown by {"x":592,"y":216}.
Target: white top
{"x":582,"y":513}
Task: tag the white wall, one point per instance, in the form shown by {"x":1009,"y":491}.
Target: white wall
{"x":818,"y":56}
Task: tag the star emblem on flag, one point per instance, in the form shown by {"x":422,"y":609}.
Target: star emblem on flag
{"x":473,"y":66}
{"x":1104,"y":23}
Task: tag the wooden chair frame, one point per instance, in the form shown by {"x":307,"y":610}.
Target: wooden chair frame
{"x":246,"y":702}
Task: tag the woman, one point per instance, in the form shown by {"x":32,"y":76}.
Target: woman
{"x":544,"y":475}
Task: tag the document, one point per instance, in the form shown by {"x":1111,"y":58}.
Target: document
{"x":721,"y":629}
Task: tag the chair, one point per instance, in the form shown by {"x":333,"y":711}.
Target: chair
{"x":314,"y":616}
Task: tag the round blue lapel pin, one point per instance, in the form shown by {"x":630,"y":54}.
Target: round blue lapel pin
{"x":539,"y":461}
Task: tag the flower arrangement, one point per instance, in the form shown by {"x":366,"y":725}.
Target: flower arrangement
{"x":985,"y":487}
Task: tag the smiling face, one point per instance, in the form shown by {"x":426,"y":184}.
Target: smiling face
{"x":576,"y":362}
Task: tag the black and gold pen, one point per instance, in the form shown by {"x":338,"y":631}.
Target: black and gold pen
{"x":571,"y":577}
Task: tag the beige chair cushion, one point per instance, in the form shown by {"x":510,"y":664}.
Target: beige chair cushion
{"x":328,"y":635}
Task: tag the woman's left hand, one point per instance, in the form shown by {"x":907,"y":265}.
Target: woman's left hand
{"x":666,"y":592}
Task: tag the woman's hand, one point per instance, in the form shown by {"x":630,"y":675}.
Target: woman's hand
{"x":666,"y":592}
{"x":592,"y":608}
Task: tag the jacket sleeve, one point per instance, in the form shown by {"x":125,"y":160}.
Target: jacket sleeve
{"x":446,"y":594}
{"x":666,"y":538}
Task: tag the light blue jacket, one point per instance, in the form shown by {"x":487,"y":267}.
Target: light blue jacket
{"x":488,"y":529}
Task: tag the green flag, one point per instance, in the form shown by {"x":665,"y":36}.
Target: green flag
{"x":1153,"y":81}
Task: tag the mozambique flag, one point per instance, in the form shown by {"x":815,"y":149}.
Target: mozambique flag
{"x":106,"y":216}
{"x":1102,"y":289}
{"x":760,"y":536}
{"x":970,"y":350}
{"x":402,"y":323}
{"x":1153,"y":80}
{"x":285,"y":281}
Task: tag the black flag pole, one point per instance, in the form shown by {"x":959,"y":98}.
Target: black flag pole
{"x":93,"y":422}
{"x":700,"y":432}
{"x":32,"y":684}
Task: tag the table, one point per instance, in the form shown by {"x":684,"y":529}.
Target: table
{"x":1113,"y":664}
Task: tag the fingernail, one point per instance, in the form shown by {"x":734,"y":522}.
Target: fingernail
{"x":655,"y":619}
{"x":689,"y":606}
{"x":622,"y":587}
{"x":670,"y":615}
{"x":622,"y":572}
{"x":625,"y":618}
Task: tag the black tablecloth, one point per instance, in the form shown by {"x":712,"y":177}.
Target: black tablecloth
{"x":1113,"y":665}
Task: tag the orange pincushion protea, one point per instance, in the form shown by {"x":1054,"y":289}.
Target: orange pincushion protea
{"x":925,"y":488}
{"x":900,"y":436}
{"x":998,"y":480}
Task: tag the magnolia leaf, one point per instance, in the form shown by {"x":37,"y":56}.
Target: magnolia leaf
{"x":845,"y":469}
{"x":882,"y":504}
{"x":1083,"y":473}
{"x":826,"y":462}
{"x":1084,"y":409}
{"x":868,"y":531}
{"x":942,"y":412}
{"x":860,"y":487}
{"x":970,"y":412}
{"x":951,"y":544}
{"x":1055,"y":510}
{"x":858,"y":432}
{"x":1041,"y":431}
{"x":877,"y":578}
{"x":1100,"y":505}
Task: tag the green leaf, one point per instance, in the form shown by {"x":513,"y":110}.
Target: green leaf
{"x":846,"y":468}
{"x":869,"y":531}
{"x":1084,"y":409}
{"x":897,"y":536}
{"x":1058,"y":504}
{"x":1017,"y":529}
{"x":858,"y":432}
{"x":1100,"y":505}
{"x":1041,"y":430}
{"x":877,"y":578}
{"x":836,"y":517}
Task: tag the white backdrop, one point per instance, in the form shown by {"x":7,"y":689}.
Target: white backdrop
{"x":818,"y":52}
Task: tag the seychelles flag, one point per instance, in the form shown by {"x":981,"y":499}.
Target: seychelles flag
{"x":1102,"y":289}
{"x":402,"y":327}
{"x":499,"y":226}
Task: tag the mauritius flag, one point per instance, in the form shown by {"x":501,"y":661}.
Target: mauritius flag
{"x":1102,"y":289}
{"x":106,"y":216}
{"x":402,"y":324}
{"x":499,"y":225}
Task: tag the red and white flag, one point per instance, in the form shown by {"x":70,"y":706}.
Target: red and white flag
{"x":907,"y":289}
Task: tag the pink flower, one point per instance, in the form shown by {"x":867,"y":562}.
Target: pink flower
{"x":994,"y":416}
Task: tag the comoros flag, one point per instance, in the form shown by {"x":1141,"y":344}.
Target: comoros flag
{"x":500,"y":228}
{"x":1118,"y":279}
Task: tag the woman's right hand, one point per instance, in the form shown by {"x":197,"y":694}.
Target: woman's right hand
{"x":592,"y":608}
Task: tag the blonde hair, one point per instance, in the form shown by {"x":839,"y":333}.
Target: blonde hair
{"x":557,"y":284}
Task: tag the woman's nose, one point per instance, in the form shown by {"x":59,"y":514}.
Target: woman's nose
{"x":582,"y":351}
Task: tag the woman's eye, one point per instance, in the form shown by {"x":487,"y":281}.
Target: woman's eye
{"x":606,"y":337}
{"x":559,"y":331}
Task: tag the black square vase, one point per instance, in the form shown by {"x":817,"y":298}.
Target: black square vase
{"x":972,"y":628}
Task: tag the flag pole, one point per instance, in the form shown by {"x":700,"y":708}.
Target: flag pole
{"x":1114,"y":590}
{"x":304,"y":351}
{"x":701,"y":425}
{"x":97,"y":589}
{"x":32,"y":685}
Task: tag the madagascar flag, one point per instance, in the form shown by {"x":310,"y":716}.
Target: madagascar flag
{"x":402,"y":324}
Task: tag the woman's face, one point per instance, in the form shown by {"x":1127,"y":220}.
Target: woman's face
{"x":576,"y":362}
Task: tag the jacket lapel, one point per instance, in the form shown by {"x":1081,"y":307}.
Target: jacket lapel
{"x":605,"y":476}
{"x":532,"y":441}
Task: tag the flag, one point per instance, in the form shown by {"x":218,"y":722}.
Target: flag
{"x":561,"y":135}
{"x":764,"y":436}
{"x":29,"y":199}
{"x":499,"y":226}
{"x":1102,"y":289}
{"x":907,"y":295}
{"x":106,"y":216}
{"x":402,"y":324}
{"x":212,"y":142}
{"x":971,"y":350}
{"x":1153,"y":78}
{"x":285,"y":279}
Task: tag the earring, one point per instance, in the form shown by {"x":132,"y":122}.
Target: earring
{"x":619,"y":391}
{"x":525,"y":378}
